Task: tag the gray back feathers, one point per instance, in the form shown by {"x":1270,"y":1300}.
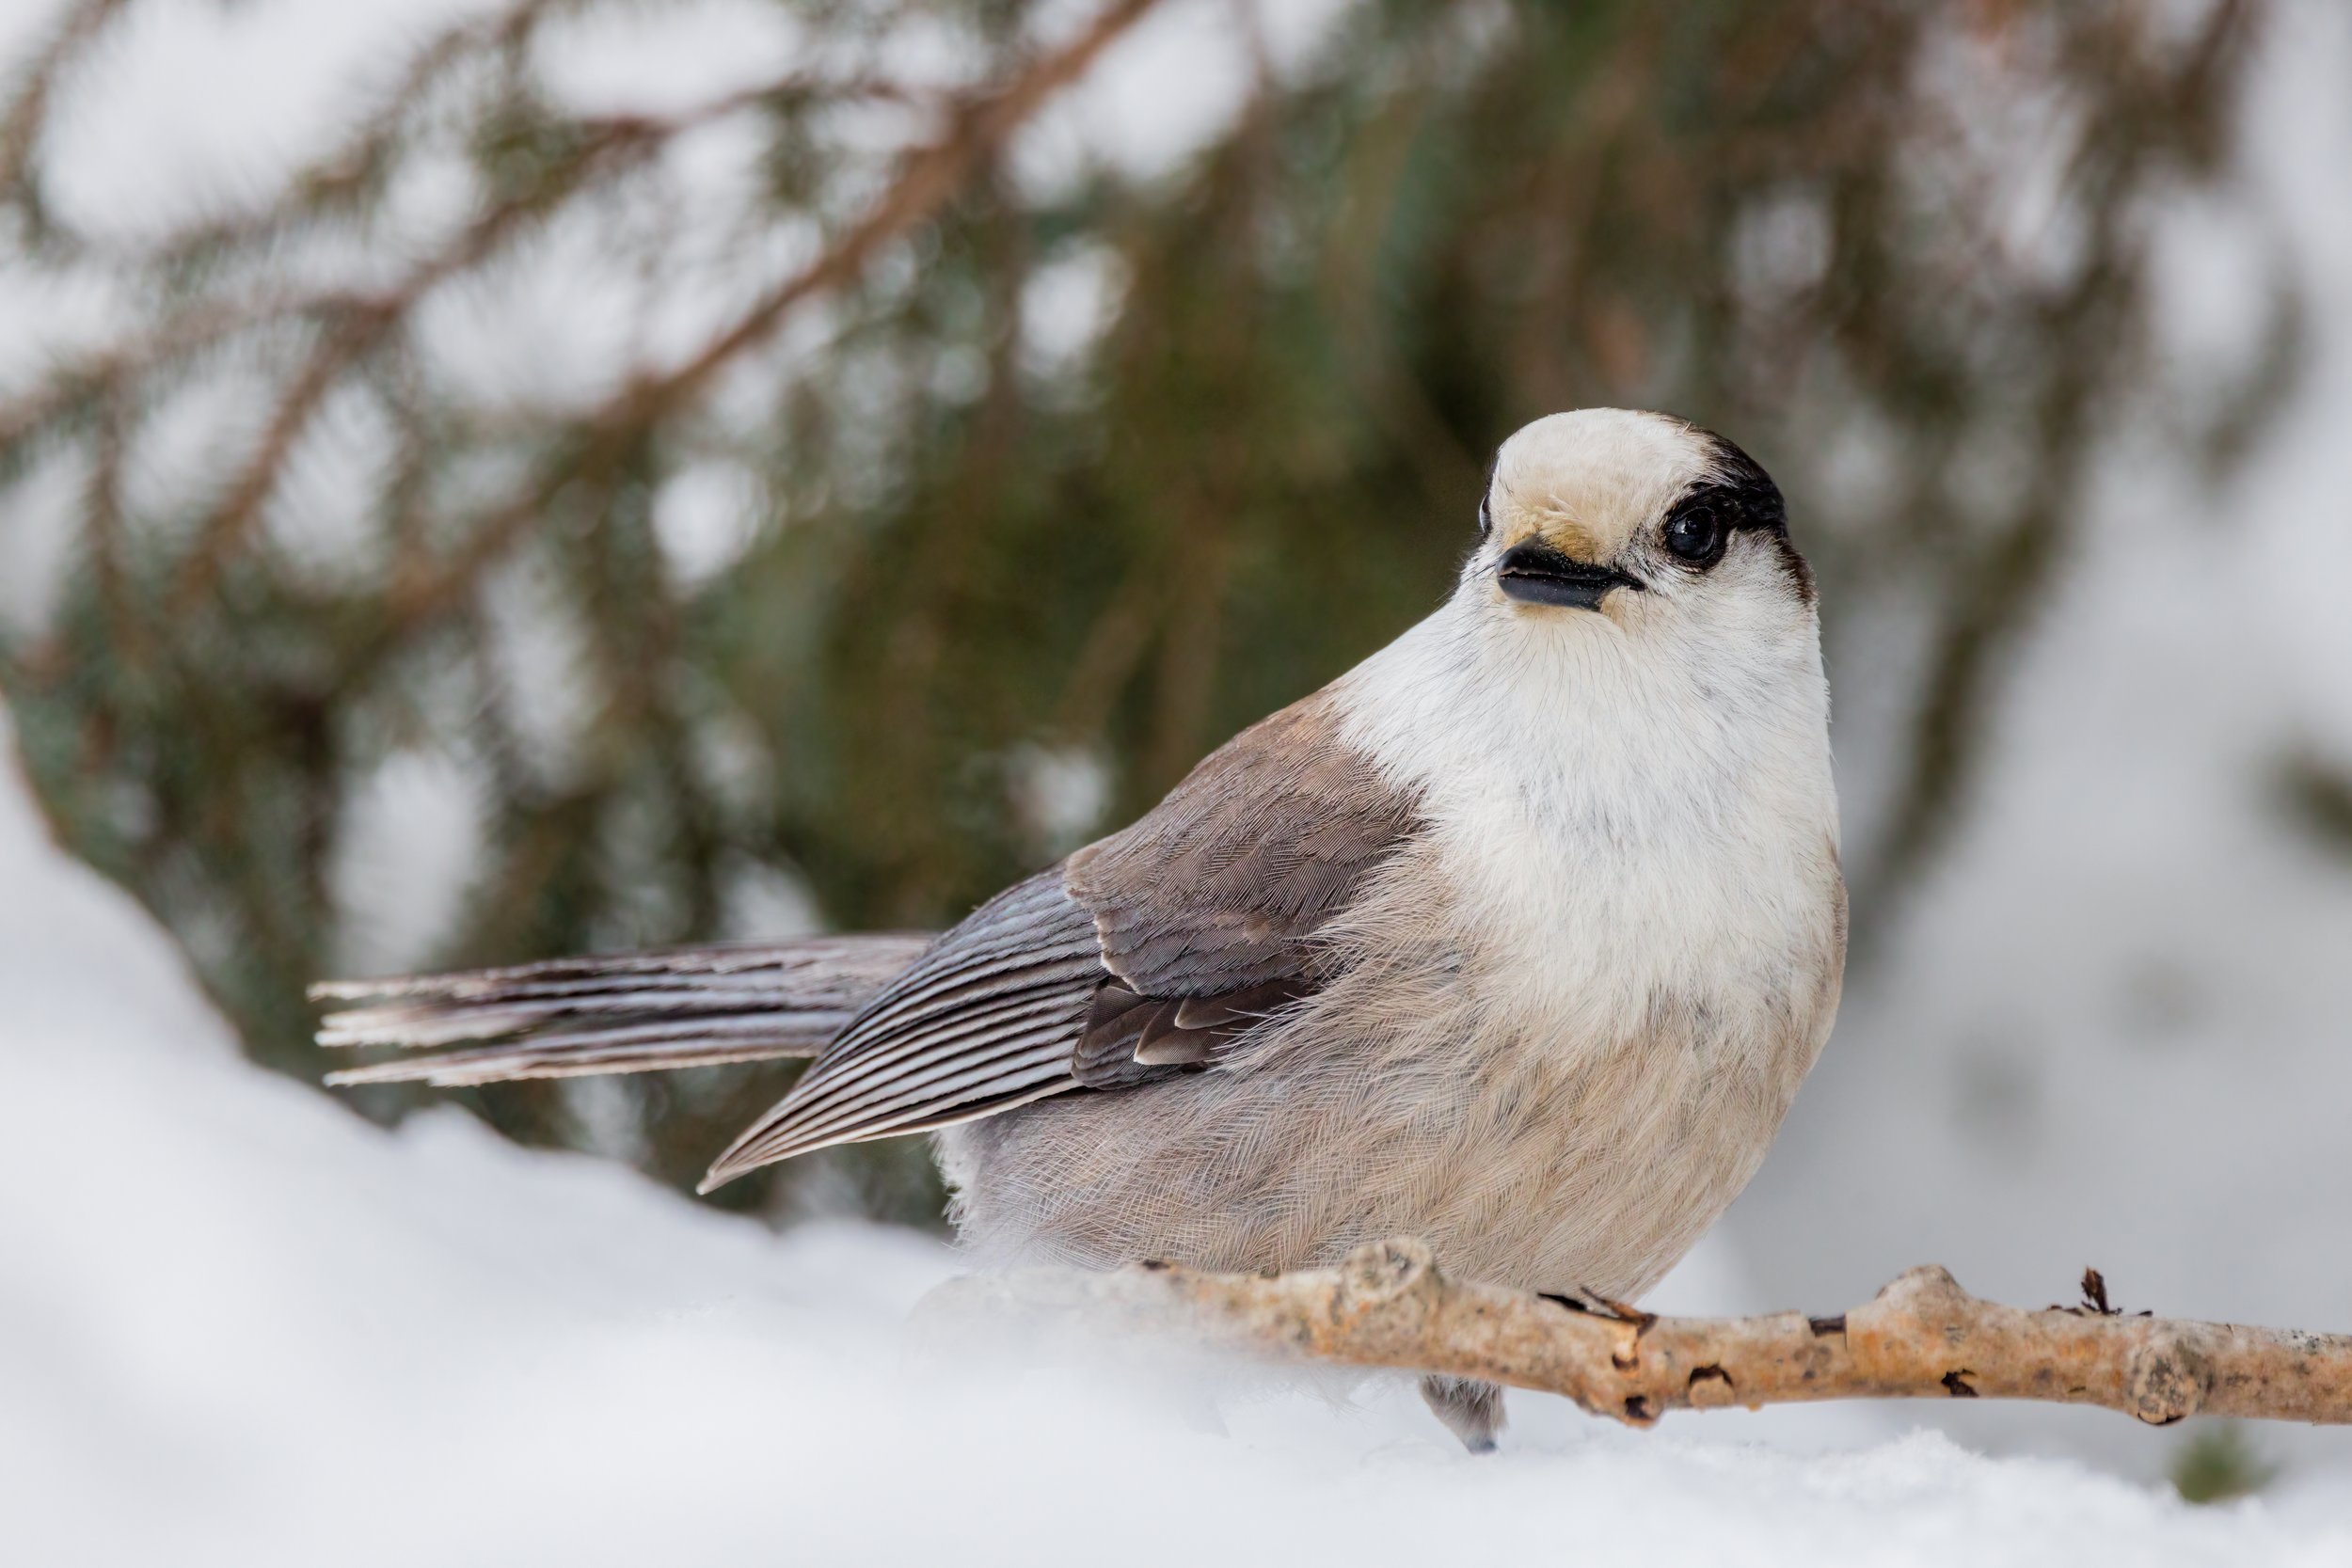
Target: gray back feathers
{"x":1142,"y":958}
{"x":1136,"y":961}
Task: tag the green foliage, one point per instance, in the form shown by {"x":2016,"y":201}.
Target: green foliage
{"x":2318,"y":798}
{"x":2220,"y":1465}
{"x":1900,"y":252}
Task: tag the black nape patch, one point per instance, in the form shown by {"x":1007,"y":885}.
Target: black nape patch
{"x":1745,"y":490}
{"x":1746,"y":497}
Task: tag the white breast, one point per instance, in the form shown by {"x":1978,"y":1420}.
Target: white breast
{"x":1615,"y":822}
{"x":1636,"y":861}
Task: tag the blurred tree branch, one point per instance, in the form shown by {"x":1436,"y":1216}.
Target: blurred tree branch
{"x":28,"y":105}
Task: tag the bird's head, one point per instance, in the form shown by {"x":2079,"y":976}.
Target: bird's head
{"x":1644,"y":521}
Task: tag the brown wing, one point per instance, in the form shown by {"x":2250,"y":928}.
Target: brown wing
{"x":1208,"y":909}
{"x":1135,"y":960}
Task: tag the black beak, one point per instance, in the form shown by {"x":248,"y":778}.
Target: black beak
{"x":1537,"y":574}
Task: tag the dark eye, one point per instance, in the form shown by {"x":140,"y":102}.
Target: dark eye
{"x":1485,"y":518}
{"x":1695,"y":535}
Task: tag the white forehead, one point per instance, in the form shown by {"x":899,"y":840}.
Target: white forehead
{"x":1601,"y":471}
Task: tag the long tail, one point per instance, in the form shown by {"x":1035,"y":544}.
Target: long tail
{"x":636,"y":1012}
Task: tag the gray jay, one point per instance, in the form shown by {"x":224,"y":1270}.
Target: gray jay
{"x":1518,"y":937}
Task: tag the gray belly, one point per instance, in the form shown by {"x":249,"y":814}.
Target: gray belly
{"x":1521,"y":1162}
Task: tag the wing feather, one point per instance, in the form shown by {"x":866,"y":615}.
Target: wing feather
{"x":1033,"y":1062}
{"x":906,"y":1072}
{"x":985,"y":1017}
{"x":1140,"y":957}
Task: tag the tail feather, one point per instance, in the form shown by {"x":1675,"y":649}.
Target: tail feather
{"x":416,"y":1025}
{"x":636,"y":1012}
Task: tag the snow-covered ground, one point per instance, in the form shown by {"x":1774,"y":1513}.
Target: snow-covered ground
{"x":239,"y":1325}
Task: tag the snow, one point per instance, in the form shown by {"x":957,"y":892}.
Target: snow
{"x":240,"y":1326}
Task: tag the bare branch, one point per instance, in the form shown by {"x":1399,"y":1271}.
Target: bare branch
{"x":353,"y":326}
{"x":350,"y":321}
{"x":930,"y":177}
{"x":353,"y":323}
{"x":1920,"y":1338}
{"x":20,"y":120}
{"x":369,"y":149}
{"x":927,"y":180}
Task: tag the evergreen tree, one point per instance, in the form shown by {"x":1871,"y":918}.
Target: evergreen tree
{"x":904,"y":500}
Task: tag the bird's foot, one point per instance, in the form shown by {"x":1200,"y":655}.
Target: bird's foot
{"x":1470,"y":1410}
